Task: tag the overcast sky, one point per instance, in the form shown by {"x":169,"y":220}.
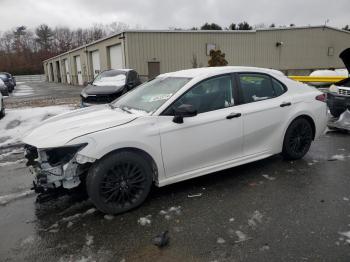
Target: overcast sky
{"x":162,"y":14}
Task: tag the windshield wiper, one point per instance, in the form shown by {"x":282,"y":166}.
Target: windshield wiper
{"x":125,"y":109}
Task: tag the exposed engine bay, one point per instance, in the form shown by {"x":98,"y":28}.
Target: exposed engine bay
{"x":55,"y":168}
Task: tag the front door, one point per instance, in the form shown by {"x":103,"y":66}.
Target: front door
{"x":211,"y":137}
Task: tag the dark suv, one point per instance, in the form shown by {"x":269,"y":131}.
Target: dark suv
{"x":338,"y":98}
{"x":108,"y":86}
{"x":9,"y":81}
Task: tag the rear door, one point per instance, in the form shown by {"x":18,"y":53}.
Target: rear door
{"x":213,"y":136}
{"x":264,"y":107}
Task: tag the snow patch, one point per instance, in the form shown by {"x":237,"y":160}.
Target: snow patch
{"x":90,"y":211}
{"x":28,"y":241}
{"x":28,"y":118}
{"x":144,"y":221}
{"x":194,"y":195}
{"x":241,"y":236}
{"x":220,"y":240}
{"x":12,"y":163}
{"x":255,"y":219}
{"x":268,"y":177}
{"x":89,"y":240}
{"x":175,"y":210}
{"x":337,"y":157}
{"x":4,"y":200}
{"x":108,"y":217}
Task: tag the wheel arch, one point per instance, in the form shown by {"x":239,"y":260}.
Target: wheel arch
{"x":141,"y":152}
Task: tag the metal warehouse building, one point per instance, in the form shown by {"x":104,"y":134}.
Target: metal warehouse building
{"x":295,"y":50}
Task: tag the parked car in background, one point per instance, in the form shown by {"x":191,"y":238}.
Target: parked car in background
{"x":175,"y":127}
{"x":2,"y":107}
{"x":338,"y":98}
{"x":108,"y":86}
{"x":3,"y":88}
{"x":8,"y":80}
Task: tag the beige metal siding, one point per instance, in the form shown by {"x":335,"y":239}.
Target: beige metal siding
{"x":303,"y":50}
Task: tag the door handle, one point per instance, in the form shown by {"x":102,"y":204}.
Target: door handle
{"x":284,"y":104}
{"x":233,"y":115}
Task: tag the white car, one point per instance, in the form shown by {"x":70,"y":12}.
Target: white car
{"x":178,"y":126}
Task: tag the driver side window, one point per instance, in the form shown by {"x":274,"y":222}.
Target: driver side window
{"x":209,"y":95}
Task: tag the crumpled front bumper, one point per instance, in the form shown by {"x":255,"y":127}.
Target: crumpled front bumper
{"x":47,"y":177}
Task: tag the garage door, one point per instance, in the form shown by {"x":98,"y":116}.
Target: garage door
{"x":78,"y":70}
{"x":116,"y":56}
{"x":67,"y":70}
{"x":95,"y":57}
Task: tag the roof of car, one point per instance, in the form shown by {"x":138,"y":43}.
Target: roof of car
{"x":210,"y":71}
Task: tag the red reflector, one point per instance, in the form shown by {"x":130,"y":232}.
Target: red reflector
{"x":321,"y":98}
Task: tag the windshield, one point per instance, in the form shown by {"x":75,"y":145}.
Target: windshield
{"x":110,"y":78}
{"x":151,"y":95}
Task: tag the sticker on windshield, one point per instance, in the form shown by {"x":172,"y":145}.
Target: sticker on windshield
{"x":160,"y":97}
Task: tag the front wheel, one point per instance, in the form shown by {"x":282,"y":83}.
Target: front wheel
{"x":119,"y":182}
{"x":297,"y":140}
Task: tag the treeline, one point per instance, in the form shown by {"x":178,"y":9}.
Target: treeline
{"x":22,"y":50}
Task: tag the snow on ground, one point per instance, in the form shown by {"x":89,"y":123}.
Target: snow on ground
{"x":23,"y":90}
{"x":17,"y":122}
{"x":4,"y":200}
{"x":144,"y":221}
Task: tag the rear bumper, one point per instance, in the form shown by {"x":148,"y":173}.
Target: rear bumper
{"x":338,"y":102}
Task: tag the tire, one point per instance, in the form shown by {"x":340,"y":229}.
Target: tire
{"x":119,"y":182}
{"x":336,"y":113}
{"x":2,"y":110}
{"x":5,"y":92}
{"x":297,"y":140}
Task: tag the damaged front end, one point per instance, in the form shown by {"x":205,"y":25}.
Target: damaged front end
{"x":55,"y":168}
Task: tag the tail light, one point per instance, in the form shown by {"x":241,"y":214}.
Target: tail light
{"x":322,"y":97}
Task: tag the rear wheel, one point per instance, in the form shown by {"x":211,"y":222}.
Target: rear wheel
{"x":297,"y":140}
{"x":119,"y":182}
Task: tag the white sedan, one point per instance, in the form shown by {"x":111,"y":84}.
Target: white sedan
{"x":178,"y":126}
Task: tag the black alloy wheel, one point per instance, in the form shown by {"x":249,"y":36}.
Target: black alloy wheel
{"x":119,"y":182}
{"x":298,"y":139}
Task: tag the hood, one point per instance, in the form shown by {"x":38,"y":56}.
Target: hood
{"x":101,"y":90}
{"x":345,"y":56}
{"x":59,"y":130}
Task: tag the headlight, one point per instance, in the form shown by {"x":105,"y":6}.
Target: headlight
{"x":333,"y":89}
{"x":83,"y":94}
{"x":62,"y":155}
{"x":81,"y":159}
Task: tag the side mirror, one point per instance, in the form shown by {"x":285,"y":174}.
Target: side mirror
{"x":184,"y":110}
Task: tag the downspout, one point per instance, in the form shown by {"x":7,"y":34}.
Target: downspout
{"x":87,"y":65}
{"x":123,"y":38}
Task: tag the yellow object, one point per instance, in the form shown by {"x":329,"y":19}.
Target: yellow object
{"x":324,"y":79}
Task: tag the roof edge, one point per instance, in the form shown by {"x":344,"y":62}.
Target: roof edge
{"x":198,"y":31}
